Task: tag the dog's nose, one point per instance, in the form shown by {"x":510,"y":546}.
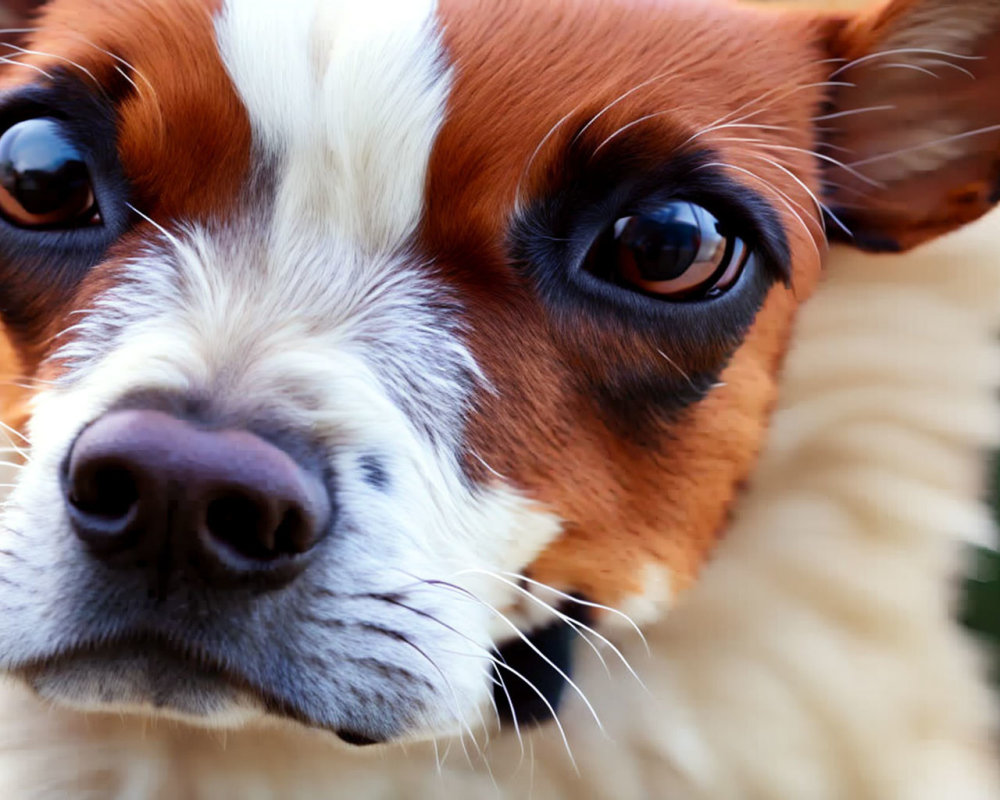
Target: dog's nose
{"x":145,"y":488}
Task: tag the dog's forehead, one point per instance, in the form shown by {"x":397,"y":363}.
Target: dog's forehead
{"x":531,"y":77}
{"x":350,"y":98}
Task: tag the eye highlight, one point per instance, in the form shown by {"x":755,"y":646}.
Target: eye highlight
{"x":44,"y":181}
{"x":676,"y":251}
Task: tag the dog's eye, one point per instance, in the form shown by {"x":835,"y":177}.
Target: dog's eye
{"x":44,"y":182}
{"x":676,"y":251}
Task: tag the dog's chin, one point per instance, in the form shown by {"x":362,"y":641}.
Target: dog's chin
{"x":145,"y":679}
{"x":151,"y":680}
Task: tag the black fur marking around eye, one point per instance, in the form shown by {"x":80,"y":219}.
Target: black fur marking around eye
{"x":526,"y":704}
{"x":587,"y":195}
{"x":642,"y":358}
{"x":39,"y":269}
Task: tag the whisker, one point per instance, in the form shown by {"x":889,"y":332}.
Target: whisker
{"x":499,"y":662}
{"x":901,"y":51}
{"x":576,"y":624}
{"x":15,"y":432}
{"x":548,"y":705}
{"x":677,"y":367}
{"x":545,"y":139}
{"x":912,"y":67}
{"x":671,"y":73}
{"x":967,"y":72}
{"x":581,"y":602}
{"x":726,"y":118}
{"x":167,"y":234}
{"x":482,"y":461}
{"x":845,"y":188}
{"x":849,"y":168}
{"x":451,"y":688}
{"x":534,"y":648}
{"x":15,"y":62}
{"x":780,"y":195}
{"x":852,"y":112}
{"x":916,"y":148}
{"x":57,"y":57}
{"x":431,"y":617}
{"x":822,"y":207}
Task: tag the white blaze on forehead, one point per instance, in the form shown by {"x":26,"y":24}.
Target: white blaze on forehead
{"x":348,"y":97}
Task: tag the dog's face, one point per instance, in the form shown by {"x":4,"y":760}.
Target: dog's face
{"x":351,"y":325}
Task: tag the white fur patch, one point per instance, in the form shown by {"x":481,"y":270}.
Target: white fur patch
{"x":348,"y":96}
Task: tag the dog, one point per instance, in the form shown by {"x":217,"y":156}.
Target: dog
{"x":411,"y":400}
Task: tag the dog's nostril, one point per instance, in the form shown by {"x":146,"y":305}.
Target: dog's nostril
{"x":105,"y":490}
{"x":240,"y":522}
{"x":250,"y":527}
{"x":292,"y":534}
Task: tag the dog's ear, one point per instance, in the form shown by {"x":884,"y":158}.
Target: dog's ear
{"x":914,"y":120}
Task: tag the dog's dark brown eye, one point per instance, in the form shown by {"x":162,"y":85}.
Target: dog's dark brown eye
{"x":677,"y":251}
{"x":44,"y":182}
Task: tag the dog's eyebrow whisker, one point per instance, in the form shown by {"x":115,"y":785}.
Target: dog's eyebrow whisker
{"x":545,"y":139}
{"x":677,"y":367}
{"x":672,"y":74}
{"x":33,"y":67}
{"x":779,"y":195}
{"x":911,"y":67}
{"x":853,"y":112}
{"x":753,"y":125}
{"x":849,"y":168}
{"x":71,"y":62}
{"x":901,"y":51}
{"x":127,"y":77}
{"x":727,"y":118}
{"x":958,"y":68}
{"x":490,"y":469}
{"x":820,"y":205}
{"x":924,"y":146}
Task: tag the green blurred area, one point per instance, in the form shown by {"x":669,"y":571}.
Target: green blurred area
{"x":982,"y":596}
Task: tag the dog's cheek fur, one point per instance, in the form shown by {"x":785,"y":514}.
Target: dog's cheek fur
{"x":644,"y":501}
